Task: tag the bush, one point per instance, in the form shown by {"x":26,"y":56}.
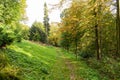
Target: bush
{"x":86,"y":54}
{"x":37,"y":32}
{"x":6,"y":76}
{"x":3,"y":60}
{"x":6,"y":36}
{"x":107,"y":67}
{"x":18,"y":38}
{"x":21,"y":32}
{"x":7,"y":72}
{"x":54,"y":40}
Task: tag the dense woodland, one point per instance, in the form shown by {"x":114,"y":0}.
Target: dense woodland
{"x":89,"y":31}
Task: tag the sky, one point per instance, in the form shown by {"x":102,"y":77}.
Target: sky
{"x":35,"y":11}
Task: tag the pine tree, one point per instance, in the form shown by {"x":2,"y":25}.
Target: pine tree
{"x":46,"y":20}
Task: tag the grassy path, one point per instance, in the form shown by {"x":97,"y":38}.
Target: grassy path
{"x":71,"y":68}
{"x":68,"y":68}
{"x":64,"y":69}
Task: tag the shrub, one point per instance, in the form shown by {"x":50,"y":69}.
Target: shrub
{"x":18,"y":38}
{"x":6,"y":76}
{"x":37,"y":32}
{"x":86,"y":54}
{"x":7,"y":72}
{"x":3,"y":60}
{"x":6,"y":36}
{"x":107,"y":67}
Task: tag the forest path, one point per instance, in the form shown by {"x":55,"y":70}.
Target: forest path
{"x":65,"y":68}
{"x":72,"y":67}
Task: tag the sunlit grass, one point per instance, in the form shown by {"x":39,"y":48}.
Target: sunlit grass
{"x":33,"y":60}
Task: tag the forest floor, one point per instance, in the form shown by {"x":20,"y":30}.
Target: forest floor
{"x":31,"y":61}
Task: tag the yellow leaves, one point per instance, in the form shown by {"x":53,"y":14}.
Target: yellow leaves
{"x":74,"y":19}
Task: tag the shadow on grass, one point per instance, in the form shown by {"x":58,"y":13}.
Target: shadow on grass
{"x":7,"y":72}
{"x":33,"y":61}
{"x":29,"y":67}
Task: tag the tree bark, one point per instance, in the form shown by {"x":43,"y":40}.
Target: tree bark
{"x":76,"y":42}
{"x":118,"y":27}
{"x":97,"y":38}
{"x":97,"y":42}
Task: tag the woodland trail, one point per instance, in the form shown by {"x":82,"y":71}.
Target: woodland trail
{"x":72,"y":67}
{"x":65,"y":68}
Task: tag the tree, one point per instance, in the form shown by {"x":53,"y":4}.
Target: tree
{"x":25,"y":31}
{"x":46,"y":20}
{"x":37,"y":32}
{"x":99,"y":10}
{"x":11,"y":13}
{"x":118,"y":26}
{"x":96,"y":14}
{"x":6,"y":36}
{"x":65,"y":40}
{"x":89,"y":22}
{"x":54,"y":36}
{"x":71,"y":27}
{"x":21,"y":32}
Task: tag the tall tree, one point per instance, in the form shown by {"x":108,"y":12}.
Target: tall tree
{"x":72,"y":29}
{"x":46,"y":20}
{"x":37,"y":32}
{"x":11,"y":12}
{"x":99,"y":9}
{"x":91,"y":19}
{"x":118,"y":26}
{"x":96,"y":14}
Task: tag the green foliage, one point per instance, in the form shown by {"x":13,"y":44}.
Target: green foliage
{"x":18,"y":37}
{"x":7,"y":71}
{"x":21,"y":32}
{"x":72,"y":29}
{"x":6,"y":36}
{"x":65,"y":40}
{"x":11,"y":10}
{"x":25,"y":32}
{"x":54,"y":36}
{"x":46,"y":20}
{"x":95,"y":24}
{"x":79,"y":21}
{"x":32,"y":60}
{"x":6,"y":76}
{"x":85,"y":54}
{"x":106,"y":67}
{"x":3,"y":60}
{"x":37,"y":32}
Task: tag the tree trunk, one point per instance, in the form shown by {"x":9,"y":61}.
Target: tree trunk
{"x":98,"y":50}
{"x":118,"y":27}
{"x":97,"y":42}
{"x":100,"y":41}
{"x":76,"y":42}
{"x":76,"y":50}
{"x":97,"y":38}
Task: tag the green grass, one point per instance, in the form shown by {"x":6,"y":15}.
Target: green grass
{"x":81,"y":69}
{"x":31,"y":61}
